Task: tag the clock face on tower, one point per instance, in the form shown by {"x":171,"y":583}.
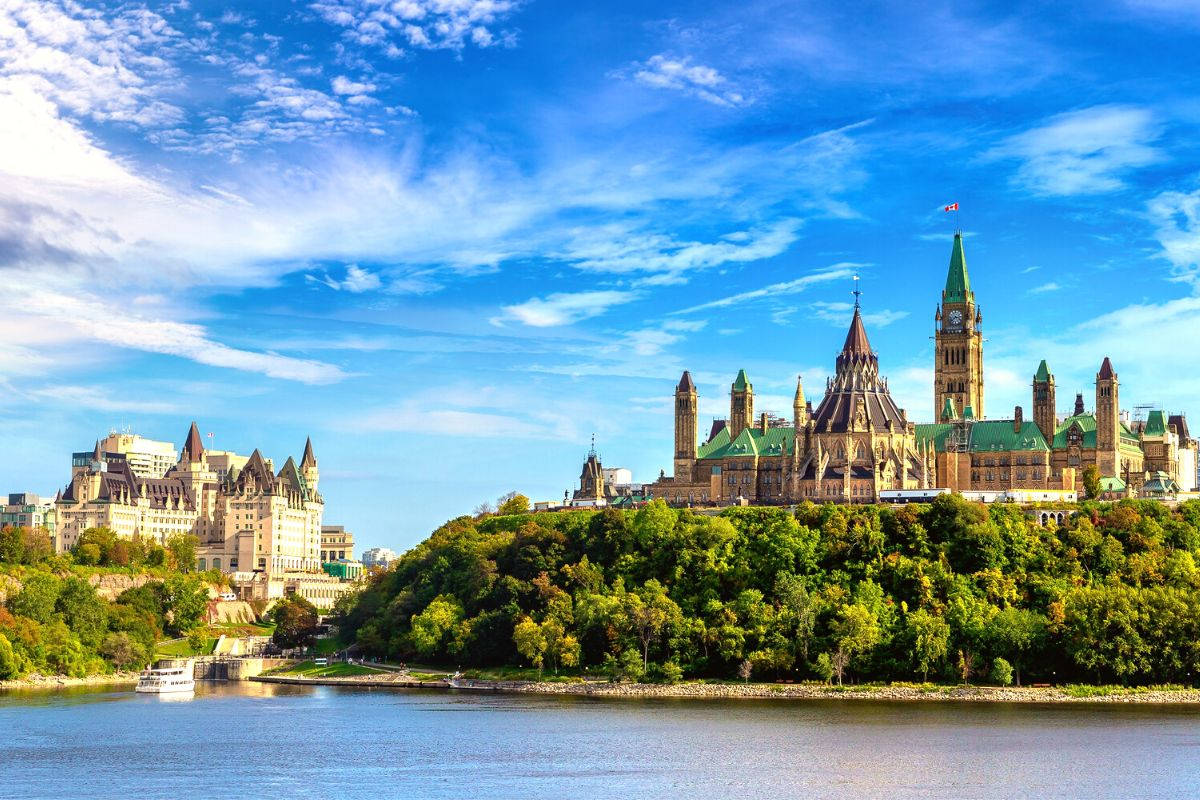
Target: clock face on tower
{"x":956,"y":318}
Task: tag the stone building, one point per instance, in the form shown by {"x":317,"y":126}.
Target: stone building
{"x":247,"y":518}
{"x":856,"y":443}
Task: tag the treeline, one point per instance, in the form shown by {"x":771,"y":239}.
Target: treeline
{"x":53,"y":622}
{"x":952,"y":591}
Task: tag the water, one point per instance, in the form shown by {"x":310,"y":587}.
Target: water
{"x":257,"y":740}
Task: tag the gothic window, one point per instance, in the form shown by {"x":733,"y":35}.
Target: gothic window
{"x":859,"y":454}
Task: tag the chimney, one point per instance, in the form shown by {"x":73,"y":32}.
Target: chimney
{"x":762,"y":422}
{"x":1078,"y":403}
{"x":1018,"y":419}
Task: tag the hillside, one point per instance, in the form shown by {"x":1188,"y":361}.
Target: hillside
{"x":947,"y":591}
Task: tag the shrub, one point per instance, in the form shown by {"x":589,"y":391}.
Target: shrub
{"x":1002,"y":672}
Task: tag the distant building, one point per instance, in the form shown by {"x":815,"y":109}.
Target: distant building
{"x":147,"y":458}
{"x":346,"y":570}
{"x":337,"y":544}
{"x":26,"y":510}
{"x":378,"y":557}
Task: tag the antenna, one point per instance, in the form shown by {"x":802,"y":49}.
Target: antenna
{"x":857,"y":292}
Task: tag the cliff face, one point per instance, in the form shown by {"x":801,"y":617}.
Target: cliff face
{"x":110,"y":586}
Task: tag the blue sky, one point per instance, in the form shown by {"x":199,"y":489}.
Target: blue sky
{"x":451,"y":239}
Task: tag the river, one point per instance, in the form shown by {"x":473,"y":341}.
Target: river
{"x":257,"y":740}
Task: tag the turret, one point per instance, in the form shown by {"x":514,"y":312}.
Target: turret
{"x":799,"y":407}
{"x":1108,"y":420}
{"x":1043,"y":402}
{"x":308,"y":466}
{"x":686,"y":405}
{"x":741,"y":405}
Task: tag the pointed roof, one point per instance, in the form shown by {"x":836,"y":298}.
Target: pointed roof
{"x":1043,"y":373}
{"x":948,"y":409}
{"x":96,"y":454}
{"x":856,"y":338}
{"x":308,"y":459}
{"x":968,"y":412}
{"x":958,"y":285}
{"x":1156,"y":423}
{"x":685,"y":383}
{"x":1106,"y":371}
{"x":741,"y":382}
{"x":798,"y":402}
{"x":193,"y":448}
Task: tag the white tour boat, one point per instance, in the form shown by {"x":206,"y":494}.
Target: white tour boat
{"x":168,"y":680}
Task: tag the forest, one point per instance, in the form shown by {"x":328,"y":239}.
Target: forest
{"x":951,"y":591}
{"x":53,"y":621}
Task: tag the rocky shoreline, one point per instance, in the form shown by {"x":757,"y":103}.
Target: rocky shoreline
{"x":116,"y":679}
{"x":770,"y":691}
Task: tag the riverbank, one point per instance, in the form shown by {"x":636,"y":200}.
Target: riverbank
{"x":116,"y":679}
{"x":771,"y":691}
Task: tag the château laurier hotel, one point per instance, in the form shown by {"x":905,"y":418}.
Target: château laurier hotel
{"x":857,"y":442}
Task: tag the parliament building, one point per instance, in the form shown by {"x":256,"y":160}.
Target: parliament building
{"x":857,"y":442}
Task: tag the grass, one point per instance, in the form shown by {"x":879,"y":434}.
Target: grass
{"x":325,"y":647}
{"x":179,"y":648}
{"x":1085,"y":690}
{"x":338,"y":669}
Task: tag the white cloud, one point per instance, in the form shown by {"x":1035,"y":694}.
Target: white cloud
{"x":1176,"y":217}
{"x":842,"y":271}
{"x":1045,"y":287}
{"x":840,"y":314}
{"x":103,"y":398}
{"x":421,"y":24}
{"x":1083,"y":152}
{"x":695,"y":80}
{"x":343,"y":85}
{"x":566,"y":308}
{"x":357,"y":280}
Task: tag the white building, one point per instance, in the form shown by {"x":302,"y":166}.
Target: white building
{"x":147,"y":458}
{"x":378,"y":557}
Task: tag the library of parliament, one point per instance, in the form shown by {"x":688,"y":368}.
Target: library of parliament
{"x":856,"y":442}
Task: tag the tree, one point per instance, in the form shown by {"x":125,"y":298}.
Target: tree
{"x":295,"y":622}
{"x":8,"y":660}
{"x":123,"y":651}
{"x":184,"y":601}
{"x":530,"y":641}
{"x":930,"y":639}
{"x":1014,"y":633}
{"x":649,"y":612}
{"x":745,"y":669}
{"x":1091,"y":482}
{"x":182,"y":550}
{"x":856,"y":632}
{"x":84,"y":611}
{"x":430,"y":629}
{"x":512,"y":503}
{"x":1002,"y":672}
{"x":37,"y":598}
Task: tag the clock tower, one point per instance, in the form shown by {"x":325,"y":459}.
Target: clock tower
{"x":958,"y":352}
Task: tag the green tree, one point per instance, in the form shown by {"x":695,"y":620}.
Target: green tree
{"x":295,"y":622}
{"x":431,"y":629}
{"x":531,"y":642}
{"x":512,"y":503}
{"x":856,"y":632}
{"x":123,"y":651}
{"x":1091,"y":482}
{"x":650,"y":611}
{"x":182,"y":551}
{"x":84,"y":611}
{"x":9,"y":667}
{"x":1002,"y":672}
{"x":930,"y":637}
{"x":184,"y":601}
{"x":1014,"y":634}
{"x":37,"y":598}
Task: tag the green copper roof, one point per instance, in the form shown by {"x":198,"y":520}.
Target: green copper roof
{"x":948,"y":410}
{"x":1043,"y":373}
{"x":958,"y":285}
{"x":968,"y":412}
{"x":750,"y":442}
{"x":1156,"y":424}
{"x":1087,"y":424}
{"x":741,"y":382}
{"x":1112,"y":485}
{"x":993,"y":435}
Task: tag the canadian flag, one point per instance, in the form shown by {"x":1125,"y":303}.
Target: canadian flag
{"x":952,"y":207}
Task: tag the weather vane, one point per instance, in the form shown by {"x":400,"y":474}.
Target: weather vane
{"x":856,"y":291}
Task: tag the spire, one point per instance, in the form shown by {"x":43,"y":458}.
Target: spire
{"x":96,"y":454}
{"x":856,"y":337}
{"x":741,"y":382}
{"x":1043,"y":373}
{"x":798,"y":402}
{"x":308,"y":460}
{"x":958,"y":285}
{"x":193,"y":450}
{"x":1079,"y":404}
{"x":1106,"y":371}
{"x":685,"y":383}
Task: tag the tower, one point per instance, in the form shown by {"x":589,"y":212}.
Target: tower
{"x":799,"y":408}
{"x":1108,"y":421}
{"x":958,"y":349}
{"x":308,"y":467}
{"x":741,"y":405}
{"x":685,"y":428}
{"x":1043,"y":402}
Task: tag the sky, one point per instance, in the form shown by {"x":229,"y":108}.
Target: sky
{"x":452,"y":240}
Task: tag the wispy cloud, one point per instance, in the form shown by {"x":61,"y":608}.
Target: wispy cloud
{"x":564,"y":308}
{"x":356,"y":280}
{"x":1052,"y":286}
{"x":1083,"y":152}
{"x":695,"y":80}
{"x":841,"y":313}
{"x":1176,"y":217}
{"x":842,"y":271}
